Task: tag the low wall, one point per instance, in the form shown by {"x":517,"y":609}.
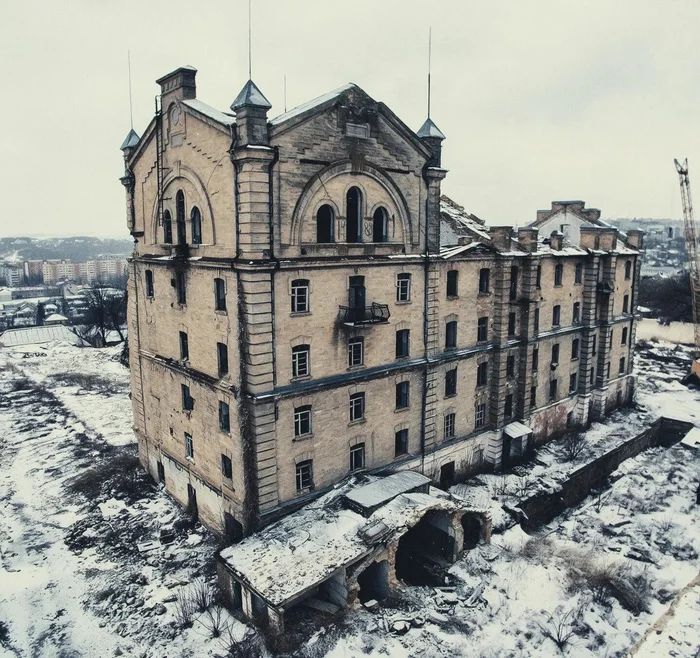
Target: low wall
{"x":542,"y":507}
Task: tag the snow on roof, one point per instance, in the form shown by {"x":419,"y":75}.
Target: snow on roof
{"x":515,"y":430}
{"x":383,"y":490}
{"x":456,"y":220}
{"x":692,"y":439}
{"x":310,"y":105}
{"x":209,"y":111}
{"x":34,"y":335}
{"x":450,"y":252}
{"x":305,"y":548}
{"x":56,"y":317}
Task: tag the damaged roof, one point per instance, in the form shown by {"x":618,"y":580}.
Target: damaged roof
{"x":455,"y":222}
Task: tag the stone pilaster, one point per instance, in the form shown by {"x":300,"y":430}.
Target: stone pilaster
{"x":529,"y":300}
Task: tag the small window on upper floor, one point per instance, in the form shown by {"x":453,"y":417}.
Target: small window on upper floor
{"x":511,"y":324}
{"x":578,"y":275}
{"x":556,"y":315}
{"x":196,"y":218}
{"x":222,"y":358}
{"x":403,"y":287}
{"x":149,"y":284}
{"x":402,"y":343}
{"x":482,"y":329}
{"x":558,"y":274}
{"x":626,"y":304}
{"x":555,"y":354}
{"x":484,"y":277}
{"x":452,"y":283}
{"x":224,"y":416}
{"x":451,"y":382}
{"x":513,"y":292}
{"x":577,"y":312}
{"x":180,"y":217}
{"x":380,"y":225}
{"x":628,"y":269}
{"x":353,"y":213}
{"x":356,"y":351}
{"x":324,"y":224}
{"x":184,"y":346}
{"x":538,"y":280}
{"x":167,"y":228}
{"x":482,"y":374}
{"x":536,"y":320}
{"x":181,"y":288}
{"x":219,"y":294}
{"x":574,"y":348}
{"x":301,"y":361}
{"x":624,"y":336}
{"x":451,"y":335}
{"x":300,"y":296}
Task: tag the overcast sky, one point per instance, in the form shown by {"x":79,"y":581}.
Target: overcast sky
{"x":539,"y":99}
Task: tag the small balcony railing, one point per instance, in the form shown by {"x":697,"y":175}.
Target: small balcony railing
{"x":361,"y":315}
{"x":606,"y":287}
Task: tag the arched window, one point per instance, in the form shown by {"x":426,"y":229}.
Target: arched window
{"x":180,"y":217}
{"x":628,"y":269}
{"x":196,"y":217}
{"x":324,"y":224}
{"x":167,"y":228}
{"x":380,"y":225}
{"x":353,"y":204}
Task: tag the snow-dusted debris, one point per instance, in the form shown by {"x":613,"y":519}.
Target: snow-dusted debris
{"x":370,"y":496}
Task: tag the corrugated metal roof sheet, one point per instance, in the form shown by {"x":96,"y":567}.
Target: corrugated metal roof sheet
{"x":34,"y":335}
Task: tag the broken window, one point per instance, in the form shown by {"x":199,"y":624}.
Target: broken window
{"x":537,"y":320}
{"x":481,"y":374}
{"x":187,"y":399}
{"x":535,"y":358}
{"x":510,"y":366}
{"x":451,"y":382}
{"x":402,"y":343}
{"x":189,"y":446}
{"x":625,"y":303}
{"x":607,"y":370}
{"x":595,"y":344}
{"x":482,"y":329}
{"x":402,"y":395}
{"x":401,"y":442}
{"x":451,"y":335}
{"x":480,"y":415}
{"x":149,"y":284}
{"x":533,"y":397}
{"x":556,"y":315}
{"x":574,"y":348}
{"x":353,"y":213}
{"x":558,"y":274}
{"x":449,"y":426}
{"x":513,"y":293}
{"x":508,"y":406}
{"x":484,"y":283}
{"x":624,"y":336}
{"x":304,"y":473}
{"x":324,"y":224}
{"x":226,"y":467}
{"x":184,"y":346}
{"x":452,"y":283}
{"x":356,"y":351}
{"x":357,"y":457}
{"x":576,"y":316}
{"x":301,"y":362}
{"x":224,"y":417}
{"x":219,"y":295}
{"x":300,"y":296}
{"x":573,"y":382}
{"x":180,"y":218}
{"x":357,"y":406}
{"x":403,"y":287}
{"x":222,"y":358}
{"x":196,"y":218}
{"x":380,"y":225}
{"x":538,"y":279}
{"x":511,"y":324}
{"x":628,"y":269}
{"x":578,"y":274}
{"x":302,"y":420}
{"x":555,"y":354}
{"x":622,"y":365}
{"x":167,"y":228}
{"x":552,"y":390}
{"x":181,"y":288}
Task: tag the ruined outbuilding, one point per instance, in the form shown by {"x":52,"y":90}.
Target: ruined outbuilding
{"x":355,"y":543}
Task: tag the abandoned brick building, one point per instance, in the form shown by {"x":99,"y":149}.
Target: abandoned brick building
{"x":304,"y":304}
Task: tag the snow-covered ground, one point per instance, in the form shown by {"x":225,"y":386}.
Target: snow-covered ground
{"x":75,"y":510}
{"x":678,"y":332}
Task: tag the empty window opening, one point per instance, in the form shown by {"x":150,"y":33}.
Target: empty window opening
{"x":189,"y":446}
{"x":167,"y":228}
{"x":451,"y":382}
{"x":426,"y":551}
{"x":226,"y":467}
{"x":556,"y":316}
{"x":577,"y":312}
{"x":402,"y":343}
{"x":513,"y":293}
{"x":482,"y":329}
{"x":192,"y":503}
{"x":180,"y":218}
{"x":149,"y":284}
{"x":324,"y":224}
{"x":401,"y":442}
{"x":625,"y":303}
{"x":184,"y":346}
{"x":484,"y":276}
{"x":471,"y":525}
{"x":511,"y":324}
{"x":187,"y":399}
{"x":537,"y":320}
{"x":402,"y":395}
{"x":380,"y":225}
{"x":224,"y":417}
{"x":374,"y":582}
{"x":233,"y":529}
{"x":451,"y":335}
{"x":181,"y":288}
{"x":196,"y":218}
{"x":628,"y":269}
{"x":482,"y":374}
{"x":219,"y":294}
{"x":353,"y":202}
{"x":510,"y":366}
{"x":222,"y":358}
{"x":538,"y":279}
{"x":161,"y":472}
{"x":452,"y":283}
{"x":558,"y":274}
{"x":624,"y":336}
{"x":578,"y":274}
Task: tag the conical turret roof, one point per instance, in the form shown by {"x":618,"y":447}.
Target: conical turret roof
{"x":429,"y":129}
{"x":132,"y":139}
{"x":250,"y":96}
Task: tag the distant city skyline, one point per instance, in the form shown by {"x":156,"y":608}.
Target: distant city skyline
{"x":539,"y":100}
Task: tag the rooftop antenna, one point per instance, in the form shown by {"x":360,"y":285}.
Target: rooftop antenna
{"x":250,"y":47}
{"x":430,"y":48}
{"x":131,"y":108}
{"x":285,"y":92}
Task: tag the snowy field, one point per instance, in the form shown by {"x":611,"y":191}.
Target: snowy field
{"x":83,"y":572}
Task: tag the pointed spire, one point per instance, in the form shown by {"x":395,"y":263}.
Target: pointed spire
{"x":132,"y":139}
{"x":429,"y":129}
{"x":250,"y":96}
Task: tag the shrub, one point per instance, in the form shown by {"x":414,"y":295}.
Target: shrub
{"x":561,"y":626}
{"x":573,"y":445}
{"x":21,"y":384}
{"x":185,"y":609}
{"x":88,"y":382}
{"x":215,"y":621}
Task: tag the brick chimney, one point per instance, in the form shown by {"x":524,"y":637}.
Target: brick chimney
{"x":589,"y":236}
{"x":635,"y":238}
{"x":527,"y":238}
{"x":556,"y":240}
{"x":608,"y":239}
{"x":501,"y":237}
{"x":178,"y":85}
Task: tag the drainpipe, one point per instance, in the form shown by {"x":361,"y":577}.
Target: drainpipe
{"x":273,"y":162}
{"x":426,"y":269}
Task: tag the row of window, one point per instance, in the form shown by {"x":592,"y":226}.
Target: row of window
{"x":180,"y":285}
{"x":180,"y":222}
{"x":354,"y":224}
{"x":224,"y":410}
{"x":226,"y":465}
{"x":221,"y":353}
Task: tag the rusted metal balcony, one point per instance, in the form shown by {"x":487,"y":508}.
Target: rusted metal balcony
{"x":364,"y":315}
{"x":606,"y":287}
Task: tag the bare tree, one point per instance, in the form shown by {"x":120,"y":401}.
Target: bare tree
{"x":106,"y":310}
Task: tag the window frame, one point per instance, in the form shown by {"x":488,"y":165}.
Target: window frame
{"x":150,"y":288}
{"x":220,"y":295}
{"x":480,"y":415}
{"x":628,"y":270}
{"x":451,"y":382}
{"x":510,"y":365}
{"x":296,"y":296}
{"x":302,"y":419}
{"x":181,"y":288}
{"x":451,"y":335}
{"x":403,"y":288}
{"x":401,"y":439}
{"x":558,"y":275}
{"x":224,"y":415}
{"x":482,"y":374}
{"x":299,"y":351}
{"x":226,"y":467}
{"x":452,"y":287}
{"x":555,"y":354}
{"x":404,"y":343}
{"x":553,"y":389}
{"x":575,"y":349}
{"x":578,"y":273}
{"x":353,"y":342}
{"x":222,"y":359}
{"x":403,"y":395}
{"x":623,"y":366}
{"x":576,"y":313}
{"x":358,"y":448}
{"x":482,"y":329}
{"x":186,"y":398}
{"x":167,"y":228}
{"x":304,"y":475}
{"x":184,"y":346}
{"x":556,"y":316}
{"x":449,"y":426}
{"x":357,"y":407}
{"x":484,"y":280}
{"x":196,"y":225}
{"x":189,"y":446}
{"x":625,"y":304}
{"x":623,"y":340}
{"x":573,"y":383}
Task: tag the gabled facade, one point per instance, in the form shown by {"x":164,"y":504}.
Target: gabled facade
{"x":295,"y":316}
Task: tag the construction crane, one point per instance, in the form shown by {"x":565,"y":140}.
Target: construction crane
{"x":691,"y":243}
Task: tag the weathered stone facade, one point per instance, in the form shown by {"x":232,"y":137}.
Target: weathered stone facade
{"x":277,"y":219}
